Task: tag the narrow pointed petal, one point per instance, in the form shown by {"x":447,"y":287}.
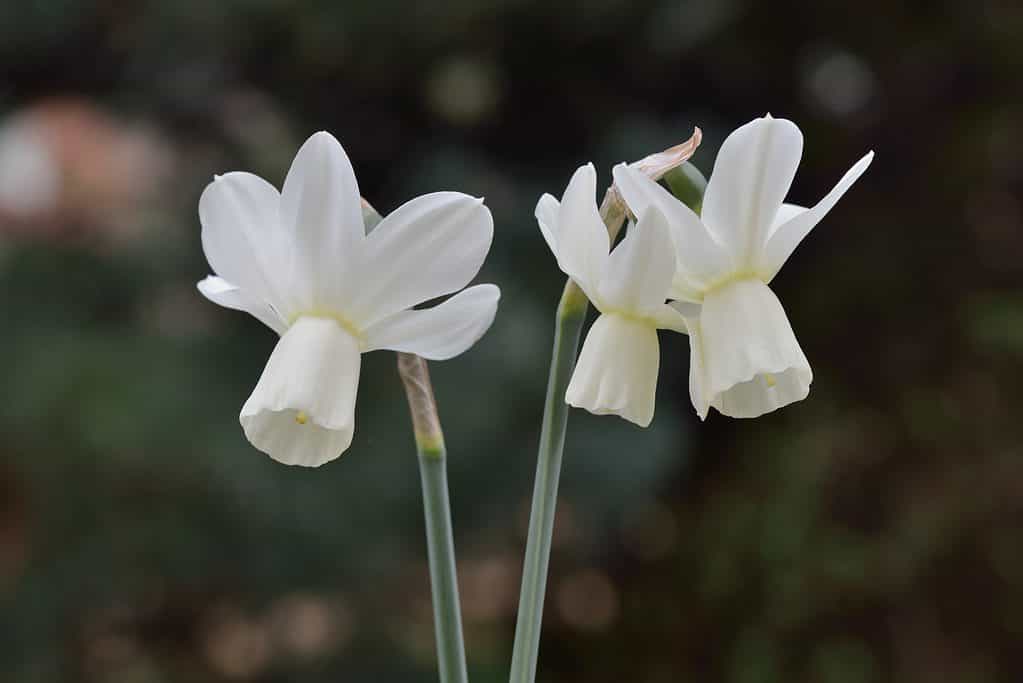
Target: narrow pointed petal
{"x":787,"y":236}
{"x":220,"y":291}
{"x":641,"y":267}
{"x":243,"y":238}
{"x":752,"y":174}
{"x":302,"y":411}
{"x":322,"y":208}
{"x":441,"y":332}
{"x":617,"y":370}
{"x":582,"y":238}
{"x":430,"y":246}
{"x":547,"y":217}
{"x":752,"y":363}
{"x":700,"y":258}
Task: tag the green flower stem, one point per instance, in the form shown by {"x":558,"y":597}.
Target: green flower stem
{"x":568,"y":326}
{"x":570,"y":317}
{"x":447,"y":619}
{"x":447,"y":615}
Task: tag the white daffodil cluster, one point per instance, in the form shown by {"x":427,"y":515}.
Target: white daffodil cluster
{"x":301,"y":261}
{"x":716,"y":267}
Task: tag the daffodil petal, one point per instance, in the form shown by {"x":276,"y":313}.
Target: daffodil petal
{"x":698,"y":391}
{"x":441,"y":332}
{"x":787,"y":236}
{"x":302,"y":411}
{"x":785,"y":213}
{"x":243,"y":238}
{"x":641,"y":267}
{"x":581,"y":237}
{"x":221,"y":292}
{"x":700,"y":258}
{"x":322,"y":208}
{"x":668,"y":317}
{"x":429,"y":247}
{"x":752,"y":174}
{"x":547,"y":209}
{"x":687,"y":309}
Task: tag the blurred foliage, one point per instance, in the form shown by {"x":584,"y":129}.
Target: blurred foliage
{"x":870,"y":533}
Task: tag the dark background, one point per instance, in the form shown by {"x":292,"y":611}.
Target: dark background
{"x":869,"y":533}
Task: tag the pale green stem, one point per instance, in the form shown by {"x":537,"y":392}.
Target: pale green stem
{"x":570,"y":317}
{"x":447,"y":616}
{"x":447,"y":619}
{"x":568,"y":325}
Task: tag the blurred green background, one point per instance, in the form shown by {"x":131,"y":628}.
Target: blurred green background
{"x":869,"y":533}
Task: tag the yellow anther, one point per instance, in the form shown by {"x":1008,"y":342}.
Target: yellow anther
{"x":301,"y":417}
{"x":769,"y":378}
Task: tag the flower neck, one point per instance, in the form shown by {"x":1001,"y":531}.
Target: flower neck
{"x":342,"y":322}
{"x":731,"y":279}
{"x":630,"y":316}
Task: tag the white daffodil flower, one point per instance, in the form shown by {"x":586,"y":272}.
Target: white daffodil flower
{"x":617,"y":368}
{"x":745,"y":360}
{"x":300,"y":261}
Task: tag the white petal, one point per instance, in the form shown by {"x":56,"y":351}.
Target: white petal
{"x":698,"y":392}
{"x":668,"y":317}
{"x":690,"y":313}
{"x":641,"y":267}
{"x":547,"y":209}
{"x":787,"y":236}
{"x":582,"y":238}
{"x":428,"y":247}
{"x":322,"y":207}
{"x":687,"y":309}
{"x":752,"y":362}
{"x":441,"y":332}
{"x":785,"y":213}
{"x":617,"y":370}
{"x":243,"y":238}
{"x":302,"y":411}
{"x":752,"y":174}
{"x":220,"y":291}
{"x":701,"y":259}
